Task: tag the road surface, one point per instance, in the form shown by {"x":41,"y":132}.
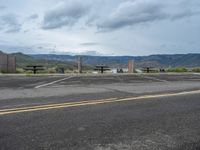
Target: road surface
{"x":139,"y":112}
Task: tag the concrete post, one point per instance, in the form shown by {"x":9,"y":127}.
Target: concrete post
{"x":7,"y":63}
{"x":11,"y":64}
{"x":79,"y":64}
{"x":131,"y":66}
{"x":3,"y":62}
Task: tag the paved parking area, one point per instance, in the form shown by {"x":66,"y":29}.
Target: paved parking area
{"x":104,"y":112}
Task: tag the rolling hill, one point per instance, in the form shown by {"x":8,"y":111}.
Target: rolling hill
{"x":24,"y":60}
{"x":175,"y":60}
{"x":69,"y":62}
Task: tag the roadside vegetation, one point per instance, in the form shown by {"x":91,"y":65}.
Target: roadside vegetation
{"x":183,"y":69}
{"x":70,"y":67}
{"x":178,"y":70}
{"x":49,"y":71}
{"x":196,"y":70}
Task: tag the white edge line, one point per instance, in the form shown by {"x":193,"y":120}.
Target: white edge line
{"x":156,"y":79}
{"x":47,"y":84}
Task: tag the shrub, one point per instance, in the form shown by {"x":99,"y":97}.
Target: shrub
{"x":196,"y":70}
{"x":51,"y":70}
{"x":3,"y":71}
{"x":181,"y":69}
{"x":20,"y":70}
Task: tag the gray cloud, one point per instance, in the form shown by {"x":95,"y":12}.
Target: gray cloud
{"x":2,"y":7}
{"x":33,"y":16}
{"x":29,"y":49}
{"x":65,"y":14}
{"x":91,"y":53}
{"x":123,"y":14}
{"x":9,"y":23}
{"x":89,"y":44}
{"x":135,"y":12}
{"x":142,"y":26}
{"x":14,"y":49}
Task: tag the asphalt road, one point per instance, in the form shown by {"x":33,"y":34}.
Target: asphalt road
{"x":115,"y":116}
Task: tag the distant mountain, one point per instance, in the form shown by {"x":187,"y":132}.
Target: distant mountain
{"x":69,"y":62}
{"x":24,"y":60}
{"x":176,"y":60}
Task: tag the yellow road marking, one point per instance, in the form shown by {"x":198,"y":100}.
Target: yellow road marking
{"x":54,"y":105}
{"x":87,"y":103}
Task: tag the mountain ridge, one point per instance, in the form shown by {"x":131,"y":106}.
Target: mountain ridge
{"x":156,"y":60}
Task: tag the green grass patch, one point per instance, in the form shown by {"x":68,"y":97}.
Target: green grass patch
{"x":180,"y":69}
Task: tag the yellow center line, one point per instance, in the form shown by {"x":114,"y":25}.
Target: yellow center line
{"x":87,"y":103}
{"x":54,"y":105}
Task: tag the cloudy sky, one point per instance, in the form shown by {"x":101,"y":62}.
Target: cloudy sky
{"x":100,"y":27}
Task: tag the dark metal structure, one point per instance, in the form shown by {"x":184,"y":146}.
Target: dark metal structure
{"x":34,"y":68}
{"x":120,"y":70}
{"x":153,"y":70}
{"x":102,"y":68}
{"x":162,"y":70}
{"x":60,"y":70}
{"x":148,"y":69}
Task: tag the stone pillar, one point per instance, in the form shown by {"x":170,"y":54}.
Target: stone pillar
{"x":3,"y":63}
{"x":79,"y":64}
{"x":11,"y":64}
{"x":7,"y":63}
{"x":131,"y":67}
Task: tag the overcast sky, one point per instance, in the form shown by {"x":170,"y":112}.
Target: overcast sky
{"x":100,"y":27}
